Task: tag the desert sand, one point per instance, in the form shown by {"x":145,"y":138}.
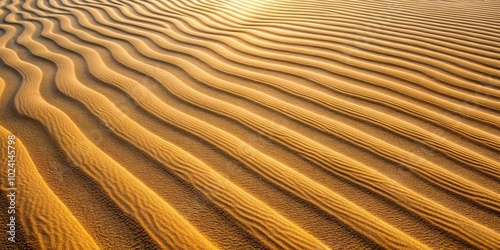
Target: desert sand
{"x":252,"y":124}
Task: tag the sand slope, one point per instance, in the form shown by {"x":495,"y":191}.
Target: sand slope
{"x":220,"y":124}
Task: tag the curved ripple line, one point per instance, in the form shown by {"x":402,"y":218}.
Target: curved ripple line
{"x":157,"y":217}
{"x":459,"y":225}
{"x":406,"y":129}
{"x":255,"y":216}
{"x":46,"y":221}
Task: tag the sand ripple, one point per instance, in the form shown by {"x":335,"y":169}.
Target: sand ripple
{"x":205,"y":124}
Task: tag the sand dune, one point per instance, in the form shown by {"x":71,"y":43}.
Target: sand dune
{"x":43,"y":216}
{"x":221,"y":124}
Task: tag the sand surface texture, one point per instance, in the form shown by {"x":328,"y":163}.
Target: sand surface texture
{"x":252,"y":124}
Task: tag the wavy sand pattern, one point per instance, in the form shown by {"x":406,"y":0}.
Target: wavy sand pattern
{"x":257,"y":124}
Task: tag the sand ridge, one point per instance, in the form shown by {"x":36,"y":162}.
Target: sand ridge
{"x":444,"y":77}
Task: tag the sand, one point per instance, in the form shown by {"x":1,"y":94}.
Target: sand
{"x":258,"y":124}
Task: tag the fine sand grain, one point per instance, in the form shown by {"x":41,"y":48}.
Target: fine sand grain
{"x":256,"y":124}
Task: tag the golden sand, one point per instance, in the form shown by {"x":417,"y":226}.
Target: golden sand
{"x":224,"y":124}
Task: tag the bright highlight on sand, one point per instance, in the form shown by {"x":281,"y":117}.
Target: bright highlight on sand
{"x":221,"y":124}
